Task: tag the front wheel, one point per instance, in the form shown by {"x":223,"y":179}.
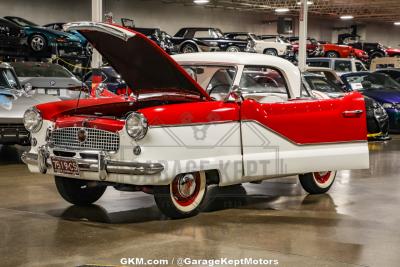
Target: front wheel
{"x":37,"y":43}
{"x":271,"y":52}
{"x":77,"y":191}
{"x":317,"y":182}
{"x":183,"y":197}
{"x":233,"y":49}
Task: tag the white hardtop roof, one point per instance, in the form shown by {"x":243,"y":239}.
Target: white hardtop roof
{"x":290,"y":71}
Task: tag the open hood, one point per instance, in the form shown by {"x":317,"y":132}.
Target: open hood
{"x":139,"y":61}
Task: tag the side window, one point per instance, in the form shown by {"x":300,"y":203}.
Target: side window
{"x":360,"y":67}
{"x":342,"y":66}
{"x":263,"y":84}
{"x":202,"y":34}
{"x":324,"y":64}
{"x":241,"y":37}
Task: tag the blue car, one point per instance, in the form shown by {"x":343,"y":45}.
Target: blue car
{"x":380,"y":87}
{"x":59,"y":26}
{"x":41,"y":39}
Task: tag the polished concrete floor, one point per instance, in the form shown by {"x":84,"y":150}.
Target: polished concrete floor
{"x":356,"y":224}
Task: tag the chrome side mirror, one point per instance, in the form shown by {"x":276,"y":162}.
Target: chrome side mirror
{"x":235,"y":94}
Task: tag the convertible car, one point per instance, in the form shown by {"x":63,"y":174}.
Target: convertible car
{"x":172,"y":139}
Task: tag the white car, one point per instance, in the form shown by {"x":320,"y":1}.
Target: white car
{"x":272,"y":47}
{"x":173,"y":140}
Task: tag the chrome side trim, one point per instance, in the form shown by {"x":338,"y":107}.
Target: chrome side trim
{"x":192,"y":124}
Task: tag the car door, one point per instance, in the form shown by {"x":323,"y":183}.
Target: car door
{"x":282,"y":136}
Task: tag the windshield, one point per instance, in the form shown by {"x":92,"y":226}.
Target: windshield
{"x":216,"y":33}
{"x":41,"y":70}
{"x":372,"y":81}
{"x":214,"y":79}
{"x":254,"y":37}
{"x":8,"y":79}
{"x":322,"y":84}
{"x":22,"y":22}
{"x":262,"y":80}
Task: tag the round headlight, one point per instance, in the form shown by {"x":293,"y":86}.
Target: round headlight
{"x":136,"y":125}
{"x":387,"y":105}
{"x":33,"y":120}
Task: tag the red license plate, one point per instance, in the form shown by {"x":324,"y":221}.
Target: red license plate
{"x":65,"y":166}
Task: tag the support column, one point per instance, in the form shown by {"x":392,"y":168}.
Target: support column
{"x":303,"y":17}
{"x":97,"y":16}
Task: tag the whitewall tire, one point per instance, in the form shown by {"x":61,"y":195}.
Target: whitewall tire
{"x":317,"y":182}
{"x":183,"y":197}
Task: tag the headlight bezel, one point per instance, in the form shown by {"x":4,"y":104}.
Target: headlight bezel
{"x":141,"y":122}
{"x":35,"y":128}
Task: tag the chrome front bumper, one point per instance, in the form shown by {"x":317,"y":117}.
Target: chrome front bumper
{"x":101,"y":165}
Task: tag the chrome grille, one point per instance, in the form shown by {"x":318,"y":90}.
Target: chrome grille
{"x":67,"y":138}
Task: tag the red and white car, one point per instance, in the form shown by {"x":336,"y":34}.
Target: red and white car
{"x":172,"y":139}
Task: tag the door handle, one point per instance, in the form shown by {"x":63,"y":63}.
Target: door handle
{"x":352,"y":113}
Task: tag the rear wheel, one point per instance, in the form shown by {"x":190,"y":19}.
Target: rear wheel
{"x":317,"y":182}
{"x":271,"y":52}
{"x":189,"y":48}
{"x":233,"y":49}
{"x":183,"y":197}
{"x":332,"y":54}
{"x":77,"y":191}
{"x":377,"y":54}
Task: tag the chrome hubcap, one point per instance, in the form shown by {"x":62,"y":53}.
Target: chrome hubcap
{"x":37,"y":43}
{"x":187,"y":185}
{"x":233,"y":49}
{"x":188,"y":49}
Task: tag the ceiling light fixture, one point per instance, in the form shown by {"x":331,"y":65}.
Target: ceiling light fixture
{"x":397,"y":23}
{"x":282,"y":10}
{"x":308,"y":3}
{"x":346,"y":17}
{"x":201,"y":2}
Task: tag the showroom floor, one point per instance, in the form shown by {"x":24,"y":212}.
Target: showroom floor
{"x":357,"y":223}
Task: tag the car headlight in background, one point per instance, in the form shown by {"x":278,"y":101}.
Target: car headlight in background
{"x":388,"y":105}
{"x":33,"y":120}
{"x":136,"y":125}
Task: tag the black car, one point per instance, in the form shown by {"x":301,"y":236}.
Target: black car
{"x":161,"y":38}
{"x":377,"y":118}
{"x":13,"y":40}
{"x":392,"y":72}
{"x":373,"y":49}
{"x":196,"y":39}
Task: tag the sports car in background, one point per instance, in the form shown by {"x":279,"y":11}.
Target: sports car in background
{"x":325,"y":82}
{"x":200,"y":39}
{"x":173,"y":140}
{"x":59,"y":26}
{"x":50,"y":79}
{"x":263,"y":46}
{"x":380,"y":87}
{"x":13,"y":41}
{"x":41,"y":39}
{"x":14,"y":100}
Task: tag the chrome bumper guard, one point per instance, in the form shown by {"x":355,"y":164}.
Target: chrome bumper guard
{"x":101,"y":165}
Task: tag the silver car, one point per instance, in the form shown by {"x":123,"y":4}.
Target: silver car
{"x":50,"y":79}
{"x":14,"y":101}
